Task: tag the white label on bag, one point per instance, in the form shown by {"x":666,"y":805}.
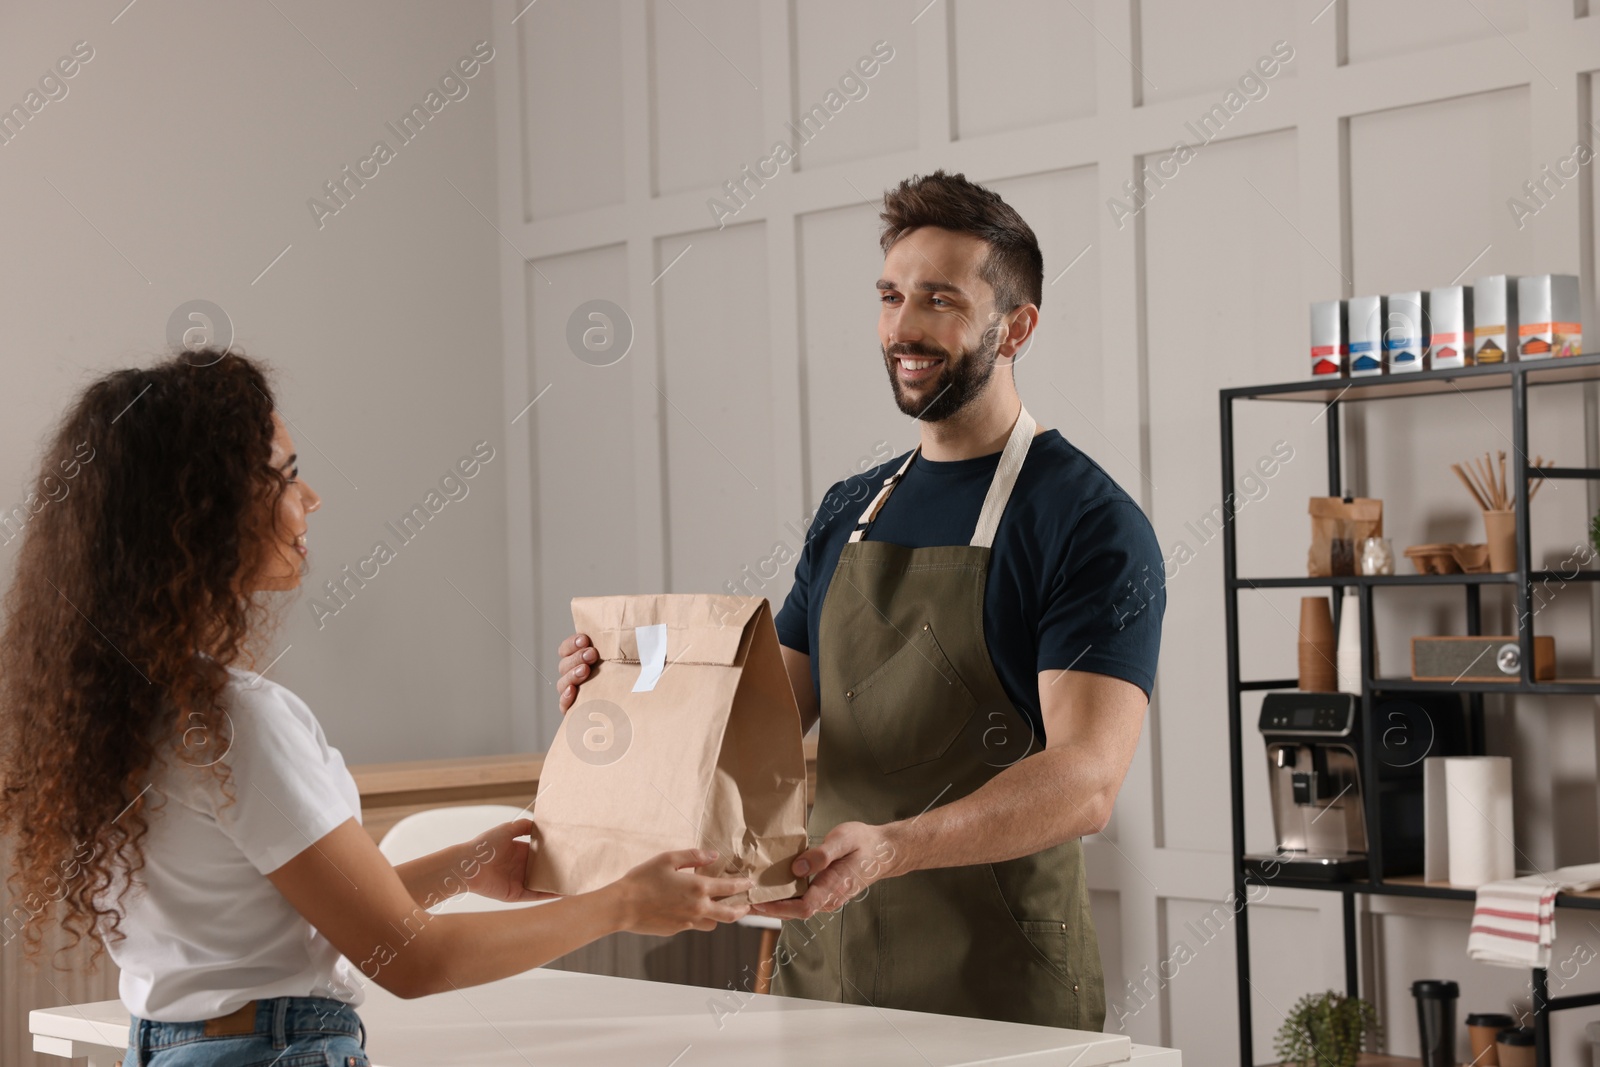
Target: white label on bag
{"x":652,"y":655}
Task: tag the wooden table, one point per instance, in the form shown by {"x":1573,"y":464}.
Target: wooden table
{"x":554,"y":1018}
{"x":391,"y":791}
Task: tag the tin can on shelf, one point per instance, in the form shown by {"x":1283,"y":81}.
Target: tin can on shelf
{"x":1405,"y":331}
{"x":1494,"y":330}
{"x":1329,"y":339}
{"x":1450,"y":340}
{"x":1550,"y":314}
{"x":1366,"y":320}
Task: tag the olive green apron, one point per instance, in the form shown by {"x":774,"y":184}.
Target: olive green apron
{"x":914,"y":715}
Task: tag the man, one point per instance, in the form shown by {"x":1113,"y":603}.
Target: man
{"x":965,"y":625}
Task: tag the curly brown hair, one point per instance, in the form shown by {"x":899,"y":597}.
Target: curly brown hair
{"x":1014,"y":267}
{"x":131,"y":598}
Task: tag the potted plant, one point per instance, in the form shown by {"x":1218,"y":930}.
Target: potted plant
{"x":1326,"y":1030}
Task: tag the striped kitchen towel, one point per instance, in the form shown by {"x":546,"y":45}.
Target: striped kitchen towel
{"x":1514,"y":921}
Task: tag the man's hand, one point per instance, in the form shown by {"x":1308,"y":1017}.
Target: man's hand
{"x":578,"y":661}
{"x":852,"y":857}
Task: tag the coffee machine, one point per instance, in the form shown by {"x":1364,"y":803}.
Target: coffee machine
{"x":1318,"y":780}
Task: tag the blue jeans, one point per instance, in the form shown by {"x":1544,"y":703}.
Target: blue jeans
{"x":289,"y":1032}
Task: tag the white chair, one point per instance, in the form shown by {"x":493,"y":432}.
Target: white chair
{"x":429,"y":831}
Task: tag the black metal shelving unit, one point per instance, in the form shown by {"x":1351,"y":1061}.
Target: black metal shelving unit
{"x":1518,"y":378}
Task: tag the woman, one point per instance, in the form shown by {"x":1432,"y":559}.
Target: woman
{"x":187,"y":811}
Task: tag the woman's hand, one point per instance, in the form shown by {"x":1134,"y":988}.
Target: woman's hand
{"x":665,"y":895}
{"x":494,"y":863}
{"x":578,"y":662}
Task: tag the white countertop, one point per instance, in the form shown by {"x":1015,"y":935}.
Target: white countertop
{"x":551,"y":1017}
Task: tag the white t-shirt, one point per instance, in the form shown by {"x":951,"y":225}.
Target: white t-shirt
{"x":205,"y":930}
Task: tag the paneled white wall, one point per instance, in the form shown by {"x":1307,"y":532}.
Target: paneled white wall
{"x":177,"y":167}
{"x":1380,"y":156}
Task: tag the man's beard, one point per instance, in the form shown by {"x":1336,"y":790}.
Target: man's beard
{"x":960,"y":381}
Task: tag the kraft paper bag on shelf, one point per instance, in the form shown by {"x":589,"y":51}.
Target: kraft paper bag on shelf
{"x":686,"y":736}
{"x":1338,"y":526}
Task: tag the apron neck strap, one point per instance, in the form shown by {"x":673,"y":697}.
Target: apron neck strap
{"x":1005,"y":479}
{"x":994,"y":504}
{"x":873,"y":508}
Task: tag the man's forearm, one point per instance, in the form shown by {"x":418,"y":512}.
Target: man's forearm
{"x":1039,"y":802}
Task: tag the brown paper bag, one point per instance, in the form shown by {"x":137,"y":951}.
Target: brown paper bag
{"x":1337,"y":529}
{"x":707,"y":755}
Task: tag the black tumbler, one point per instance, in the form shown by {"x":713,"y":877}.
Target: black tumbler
{"x":1436,"y":1021}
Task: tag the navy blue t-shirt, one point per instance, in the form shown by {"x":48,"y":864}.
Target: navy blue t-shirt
{"x":1075,"y":576}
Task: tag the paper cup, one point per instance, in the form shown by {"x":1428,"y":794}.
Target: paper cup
{"x":1500,"y":530}
{"x":1317,"y":648}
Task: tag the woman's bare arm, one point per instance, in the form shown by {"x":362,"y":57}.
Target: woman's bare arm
{"x":345,"y":888}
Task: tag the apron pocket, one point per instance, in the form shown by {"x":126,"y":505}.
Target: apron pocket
{"x":913,"y":706}
{"x":1054,"y":942}
{"x":1076,"y":956}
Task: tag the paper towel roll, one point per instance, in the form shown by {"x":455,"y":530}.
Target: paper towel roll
{"x":1478,"y":810}
{"x":1348,"y":662}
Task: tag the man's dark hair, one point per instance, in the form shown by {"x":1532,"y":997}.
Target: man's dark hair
{"x":1014,"y":267}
